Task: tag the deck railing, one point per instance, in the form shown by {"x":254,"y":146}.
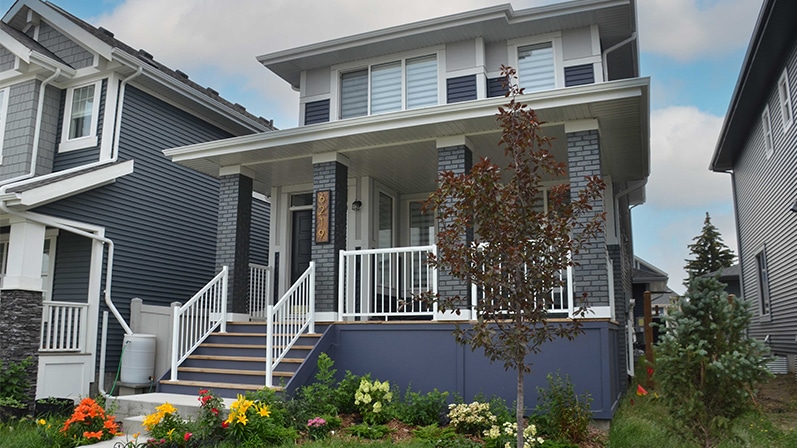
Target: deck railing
{"x":260,"y":290}
{"x":198,"y":318}
{"x":64,"y":327}
{"x":560,"y":299}
{"x":384,"y":283}
{"x":288,"y":319}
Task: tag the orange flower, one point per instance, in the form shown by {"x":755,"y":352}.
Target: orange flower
{"x":641,"y":390}
{"x":92,"y":435}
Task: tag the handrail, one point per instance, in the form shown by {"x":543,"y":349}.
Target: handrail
{"x":259,"y":289}
{"x":193,"y":322}
{"x":288,"y":319}
{"x":64,"y":327}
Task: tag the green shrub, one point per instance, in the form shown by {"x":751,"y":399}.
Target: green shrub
{"x":14,"y":379}
{"x":420,"y":409}
{"x":373,"y":432}
{"x":473,"y":418}
{"x":343,"y":395}
{"x":706,"y":366}
{"x":372,"y":400}
{"x":565,"y":415}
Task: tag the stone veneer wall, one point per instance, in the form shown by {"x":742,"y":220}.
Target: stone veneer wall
{"x":21,"y":315}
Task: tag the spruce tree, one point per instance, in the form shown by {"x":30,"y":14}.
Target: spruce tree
{"x":710,"y":252}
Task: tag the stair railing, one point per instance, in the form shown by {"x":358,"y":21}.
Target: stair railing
{"x":288,"y":319}
{"x":193,"y":322}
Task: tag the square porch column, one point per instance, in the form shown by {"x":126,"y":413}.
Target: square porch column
{"x":455,"y":154}
{"x":232,"y":237}
{"x":591,"y":274}
{"x":330,"y":174}
{"x":21,"y":297}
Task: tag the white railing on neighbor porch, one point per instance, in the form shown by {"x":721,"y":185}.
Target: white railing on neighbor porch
{"x":560,"y":299}
{"x":200,"y":316}
{"x":64,"y":327}
{"x":288,"y":319}
{"x":260,"y":289}
{"x":383,"y":283}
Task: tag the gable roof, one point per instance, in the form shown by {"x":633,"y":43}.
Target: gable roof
{"x":103,"y":42}
{"x":773,"y":36}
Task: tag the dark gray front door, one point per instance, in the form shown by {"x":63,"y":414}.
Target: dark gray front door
{"x":301,"y":246}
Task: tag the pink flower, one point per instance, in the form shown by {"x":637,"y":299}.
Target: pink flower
{"x":215,"y":411}
{"x":224,"y":424}
{"x":187,"y":436}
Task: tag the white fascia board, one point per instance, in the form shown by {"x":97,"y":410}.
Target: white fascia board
{"x":187,"y":91}
{"x":63,"y":25}
{"x":608,"y":91}
{"x":74,"y":185}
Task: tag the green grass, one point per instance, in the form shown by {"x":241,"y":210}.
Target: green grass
{"x":20,"y":434}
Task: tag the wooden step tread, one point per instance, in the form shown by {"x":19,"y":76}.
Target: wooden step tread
{"x":252,"y":346}
{"x":214,"y":385}
{"x":243,"y":358}
{"x":231,"y":371}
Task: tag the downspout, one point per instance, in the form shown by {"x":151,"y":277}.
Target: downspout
{"x":604,"y":56}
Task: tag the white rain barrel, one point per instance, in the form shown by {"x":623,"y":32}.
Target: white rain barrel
{"x":138,"y":360}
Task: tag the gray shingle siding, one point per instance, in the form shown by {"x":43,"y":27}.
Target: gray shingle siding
{"x":72,"y":53}
{"x":20,"y":123}
{"x":49,"y":130}
{"x":6,"y":59}
{"x":764,"y":190}
{"x":162,"y":217}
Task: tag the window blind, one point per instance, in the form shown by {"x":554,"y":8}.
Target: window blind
{"x":535,"y":67}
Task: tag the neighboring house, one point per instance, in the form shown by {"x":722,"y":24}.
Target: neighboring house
{"x":91,"y":212}
{"x":731,"y":276}
{"x":381,"y":114}
{"x":758,"y":147}
{"x":648,"y":277}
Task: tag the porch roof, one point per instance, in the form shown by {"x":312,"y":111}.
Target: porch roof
{"x":397,"y":147}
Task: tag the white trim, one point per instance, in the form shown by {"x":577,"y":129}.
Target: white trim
{"x":109,"y":116}
{"x":555,"y":39}
{"x":73,"y":185}
{"x":454,"y":140}
{"x":596,"y":40}
{"x":581,"y":125}
{"x":784,"y":100}
{"x":766,"y":128}
{"x":326,"y":157}
{"x":260,"y":197}
{"x":236,"y":169}
{"x":89,"y":140}
{"x":3,"y":118}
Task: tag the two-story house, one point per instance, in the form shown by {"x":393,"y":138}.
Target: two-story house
{"x":757,"y":146}
{"x":91,"y":212}
{"x":381,"y":114}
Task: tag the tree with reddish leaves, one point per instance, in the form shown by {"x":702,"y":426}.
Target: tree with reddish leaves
{"x":520,"y":246}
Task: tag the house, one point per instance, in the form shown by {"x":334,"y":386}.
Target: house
{"x":91,"y":212}
{"x":731,"y":276}
{"x":649,"y":278}
{"x":381,"y":114}
{"x":757,"y":146}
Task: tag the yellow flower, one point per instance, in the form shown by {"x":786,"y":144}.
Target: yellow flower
{"x":231,"y":417}
{"x":166,"y":408}
{"x":41,"y":421}
{"x":263,"y":411}
{"x":169,"y":434}
{"x":151,"y":420}
{"x":135,"y":436}
{"x":242,"y":419}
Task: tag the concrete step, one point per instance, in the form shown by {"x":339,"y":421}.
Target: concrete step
{"x":227,"y":390}
{"x":144,"y":404}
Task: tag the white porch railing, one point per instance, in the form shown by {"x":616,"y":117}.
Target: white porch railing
{"x":200,"y":316}
{"x":288,"y":319}
{"x":260,"y":289}
{"x":560,"y":300}
{"x":64,"y":327}
{"x":383,"y":283}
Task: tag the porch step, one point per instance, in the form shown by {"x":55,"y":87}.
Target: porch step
{"x":222,"y":389}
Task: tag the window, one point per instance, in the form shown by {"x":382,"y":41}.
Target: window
{"x":80,"y":117}
{"x":766,"y":124}
{"x":3,"y":112}
{"x":389,"y":87}
{"x":763,"y":282}
{"x":536,"y":67}
{"x":784,"y":95}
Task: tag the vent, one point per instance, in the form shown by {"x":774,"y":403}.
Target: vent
{"x":143,"y":54}
{"x":181,"y":74}
{"x":106,"y":32}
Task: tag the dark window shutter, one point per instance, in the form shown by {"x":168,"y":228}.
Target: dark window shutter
{"x":462,"y":88}
{"x":316,"y":112}
{"x":579,"y":75}
{"x":495,"y":87}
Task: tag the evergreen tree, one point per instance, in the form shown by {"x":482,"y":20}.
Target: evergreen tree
{"x":710,"y":253}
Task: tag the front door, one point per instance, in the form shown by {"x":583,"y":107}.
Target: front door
{"x":301,"y":246}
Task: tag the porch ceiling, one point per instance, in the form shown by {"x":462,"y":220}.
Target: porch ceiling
{"x":397,"y":148}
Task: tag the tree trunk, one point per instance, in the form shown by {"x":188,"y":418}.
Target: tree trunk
{"x":520,"y":407}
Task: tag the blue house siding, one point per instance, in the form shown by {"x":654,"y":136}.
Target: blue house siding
{"x":764,"y":190}
{"x":425,"y":356}
{"x":72,"y":259}
{"x":162,"y":217}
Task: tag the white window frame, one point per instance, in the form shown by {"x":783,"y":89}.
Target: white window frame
{"x":339,"y":70}
{"x":558,"y":57}
{"x":762,"y":283}
{"x":766,"y":127}
{"x":86,"y":141}
{"x":784,"y":95}
{"x":3,"y":118}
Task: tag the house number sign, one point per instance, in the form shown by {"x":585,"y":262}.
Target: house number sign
{"x":322,"y":217}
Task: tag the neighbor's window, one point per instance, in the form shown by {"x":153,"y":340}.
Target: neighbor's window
{"x":784,"y":95}
{"x":766,"y":124}
{"x":81,"y":116}
{"x":536,"y":67}
{"x":763,"y":282}
{"x":389,"y":87}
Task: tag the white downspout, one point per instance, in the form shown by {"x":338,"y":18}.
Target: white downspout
{"x":606,"y":52}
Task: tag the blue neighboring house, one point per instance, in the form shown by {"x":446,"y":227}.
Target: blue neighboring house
{"x":757,"y":146}
{"x":91,"y":212}
{"x":381,"y":115}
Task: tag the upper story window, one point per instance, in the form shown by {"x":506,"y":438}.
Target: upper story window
{"x":784,"y":95}
{"x":536,"y":67}
{"x":766,"y":125}
{"x":81,"y":116}
{"x":389,"y":87}
{"x":3,"y":118}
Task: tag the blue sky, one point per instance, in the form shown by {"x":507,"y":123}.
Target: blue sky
{"x":691,"y":49}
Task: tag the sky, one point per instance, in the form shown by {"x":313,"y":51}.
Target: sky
{"x":691,"y":49}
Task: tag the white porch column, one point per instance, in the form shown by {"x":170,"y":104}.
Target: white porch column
{"x":25,"y":248}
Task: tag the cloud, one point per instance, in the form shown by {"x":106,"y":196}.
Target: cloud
{"x":681,"y":144}
{"x":691,"y":29}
